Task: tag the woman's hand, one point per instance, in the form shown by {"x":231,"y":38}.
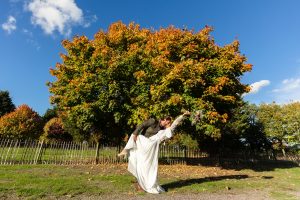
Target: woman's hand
{"x":187,"y":113}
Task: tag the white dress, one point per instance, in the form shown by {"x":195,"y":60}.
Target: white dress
{"x":143,"y":158}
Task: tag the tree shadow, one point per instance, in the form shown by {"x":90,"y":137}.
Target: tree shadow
{"x":236,"y":163}
{"x":187,"y":182}
{"x":258,"y":165}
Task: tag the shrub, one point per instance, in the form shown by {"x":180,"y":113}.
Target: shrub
{"x":23,"y":123}
{"x":54,"y":130}
{"x":184,"y":140}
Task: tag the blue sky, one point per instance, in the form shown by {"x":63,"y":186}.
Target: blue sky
{"x":268,"y":30}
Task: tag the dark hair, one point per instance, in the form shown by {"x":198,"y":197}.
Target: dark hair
{"x":168,"y":118}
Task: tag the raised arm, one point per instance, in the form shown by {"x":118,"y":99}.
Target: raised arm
{"x":179,"y":120}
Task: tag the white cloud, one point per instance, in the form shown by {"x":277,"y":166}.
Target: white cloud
{"x":27,"y":32}
{"x":288,"y":90}
{"x":55,"y":15}
{"x":289,"y":85}
{"x":89,"y":20}
{"x":255,"y":87}
{"x":30,"y":39}
{"x":10,"y":25}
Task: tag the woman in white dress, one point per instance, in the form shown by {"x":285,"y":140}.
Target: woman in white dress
{"x":143,"y":156}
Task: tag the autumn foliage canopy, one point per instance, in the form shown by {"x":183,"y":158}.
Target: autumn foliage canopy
{"x":126,"y":74}
{"x":22,"y":123}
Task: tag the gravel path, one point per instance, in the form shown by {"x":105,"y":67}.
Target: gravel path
{"x":229,"y":195}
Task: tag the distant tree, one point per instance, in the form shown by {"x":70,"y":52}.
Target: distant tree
{"x":23,"y":123}
{"x":291,"y":124}
{"x":107,"y":85}
{"x":245,"y":131}
{"x":281,"y":122}
{"x":77,"y":133}
{"x":272,"y":117}
{"x":50,"y":113}
{"x":54,"y":131}
{"x":184,"y":140}
{"x":6,"y":104}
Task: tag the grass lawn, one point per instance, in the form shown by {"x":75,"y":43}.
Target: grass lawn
{"x":52,"y":181}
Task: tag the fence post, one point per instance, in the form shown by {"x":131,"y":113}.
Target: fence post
{"x":97,"y":153}
{"x":186,"y":155}
{"x":38,"y":152}
{"x":7,"y":153}
{"x":14,"y":152}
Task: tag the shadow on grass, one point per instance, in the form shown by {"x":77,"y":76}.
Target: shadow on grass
{"x":183,"y":183}
{"x":258,"y":165}
{"x":240,"y":164}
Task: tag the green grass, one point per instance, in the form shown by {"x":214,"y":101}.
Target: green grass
{"x":47,"y":180}
{"x":286,"y":184}
{"x":42,"y":181}
{"x":283,"y":196}
{"x":278,"y":182}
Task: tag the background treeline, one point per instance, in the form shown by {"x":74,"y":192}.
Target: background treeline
{"x":256,"y":128}
{"x":107,"y":85}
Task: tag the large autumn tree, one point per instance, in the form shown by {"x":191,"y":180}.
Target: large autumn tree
{"x":107,"y":85}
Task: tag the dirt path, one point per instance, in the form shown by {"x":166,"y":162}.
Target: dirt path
{"x":229,"y":195}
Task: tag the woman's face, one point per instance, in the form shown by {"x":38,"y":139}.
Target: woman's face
{"x":165,"y":123}
{"x":168,"y":124}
